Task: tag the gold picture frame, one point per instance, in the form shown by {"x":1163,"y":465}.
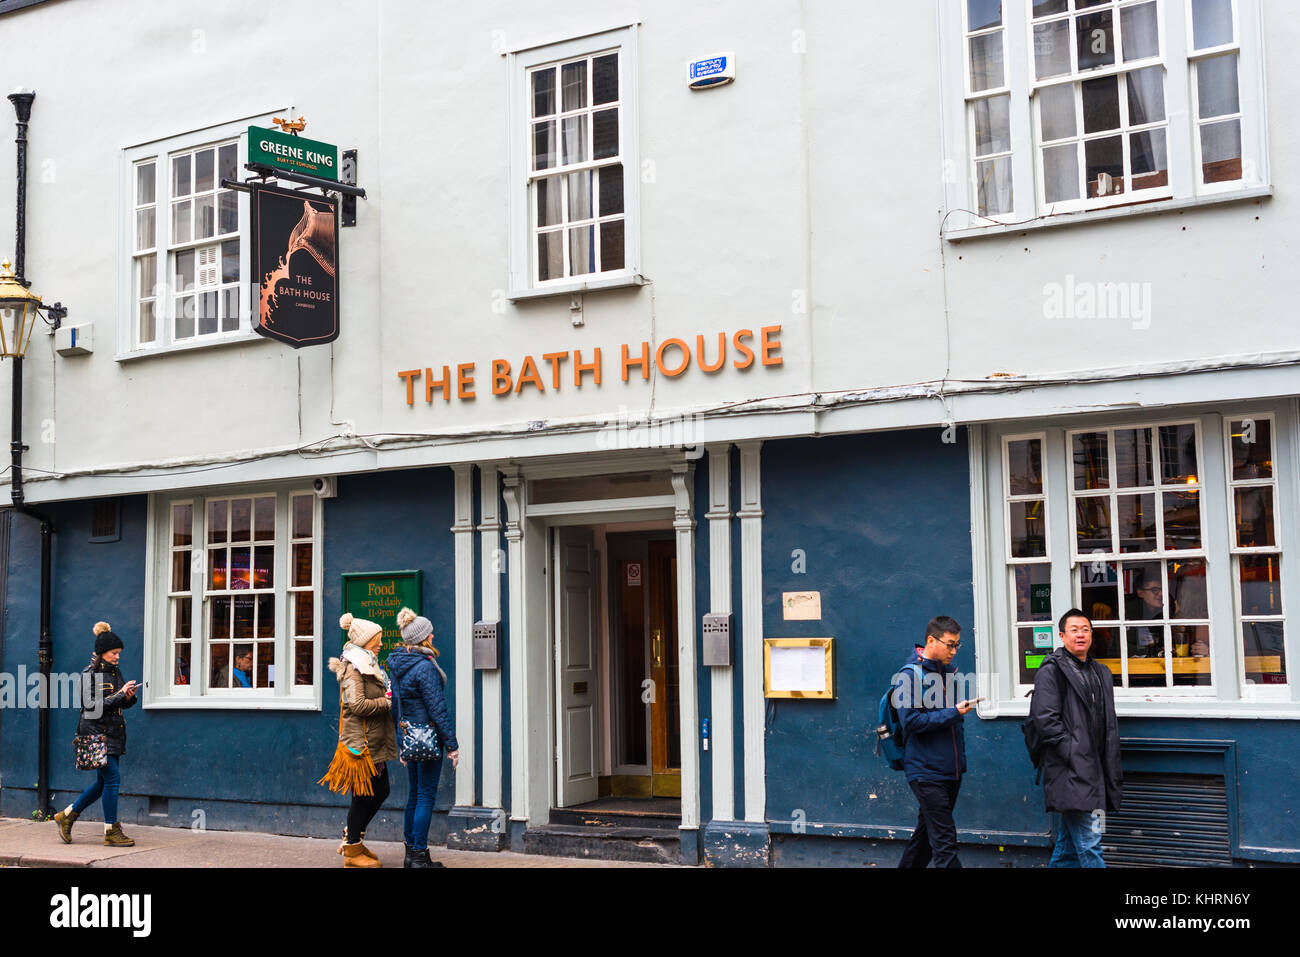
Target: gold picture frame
{"x":796,"y":673}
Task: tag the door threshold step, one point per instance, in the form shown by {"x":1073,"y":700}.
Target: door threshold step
{"x":578,"y":817}
{"x":645,"y":845}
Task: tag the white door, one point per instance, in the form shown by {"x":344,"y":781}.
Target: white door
{"x":575,"y":667}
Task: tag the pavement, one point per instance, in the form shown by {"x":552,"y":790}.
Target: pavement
{"x":25,"y":843}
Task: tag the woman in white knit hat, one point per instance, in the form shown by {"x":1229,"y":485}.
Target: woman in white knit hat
{"x":366,"y":736}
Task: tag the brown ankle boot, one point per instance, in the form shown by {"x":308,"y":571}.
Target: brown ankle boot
{"x":65,"y":822}
{"x":354,"y":856}
{"x":114,"y":837}
{"x":367,"y":851}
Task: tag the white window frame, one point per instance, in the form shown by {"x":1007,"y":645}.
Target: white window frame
{"x":1159,"y":556}
{"x":521,"y":241}
{"x":1258,"y":692}
{"x":1182,"y":137}
{"x":995,"y":639}
{"x":159,"y":692}
{"x":160,"y":151}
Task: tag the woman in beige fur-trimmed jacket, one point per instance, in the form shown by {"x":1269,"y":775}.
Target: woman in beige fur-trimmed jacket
{"x":367,"y":738}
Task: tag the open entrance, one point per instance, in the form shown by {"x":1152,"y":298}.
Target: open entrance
{"x":617,"y":695}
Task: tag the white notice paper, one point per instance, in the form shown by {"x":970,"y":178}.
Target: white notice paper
{"x":798,"y":669}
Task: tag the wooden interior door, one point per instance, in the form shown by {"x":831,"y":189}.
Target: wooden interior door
{"x":665,"y":709}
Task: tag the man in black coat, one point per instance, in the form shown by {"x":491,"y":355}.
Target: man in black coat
{"x":1073,"y":707}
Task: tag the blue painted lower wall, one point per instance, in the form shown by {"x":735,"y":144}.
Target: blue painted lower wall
{"x":883,"y":525}
{"x":878,"y":524}
{"x":241,"y":769}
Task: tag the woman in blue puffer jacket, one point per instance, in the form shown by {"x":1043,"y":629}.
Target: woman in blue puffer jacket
{"x":418,"y":683}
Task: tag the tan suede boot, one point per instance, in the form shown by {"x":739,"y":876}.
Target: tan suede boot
{"x":367,"y":851}
{"x":114,"y":837}
{"x":65,"y":819}
{"x":353,"y":856}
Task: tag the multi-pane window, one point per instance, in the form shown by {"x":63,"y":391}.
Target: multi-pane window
{"x":1074,"y":105}
{"x":1029,"y":565}
{"x":1256,"y":552}
{"x":204,"y":242}
{"x":242,"y":592}
{"x":302,"y":591}
{"x":1217,"y":94}
{"x":988,"y":101}
{"x":188,"y":257}
{"x":576,"y":189}
{"x":1139,"y":553}
{"x":145,"y":260}
{"x":1099,"y":93}
{"x":1167,"y":534}
{"x":180,"y":592}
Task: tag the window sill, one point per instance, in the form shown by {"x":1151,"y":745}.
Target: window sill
{"x":214,"y":342}
{"x":302,"y":702}
{"x":577,"y":286}
{"x":1103,"y":215}
{"x":1171,"y":708}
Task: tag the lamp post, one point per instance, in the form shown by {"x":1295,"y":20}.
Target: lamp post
{"x":19,"y":307}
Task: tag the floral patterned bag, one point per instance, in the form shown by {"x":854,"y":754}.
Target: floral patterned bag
{"x":91,"y":751}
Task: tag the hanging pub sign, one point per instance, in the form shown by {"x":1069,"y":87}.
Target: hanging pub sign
{"x":295,"y":255}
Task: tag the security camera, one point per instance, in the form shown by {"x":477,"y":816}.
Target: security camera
{"x":324,"y":487}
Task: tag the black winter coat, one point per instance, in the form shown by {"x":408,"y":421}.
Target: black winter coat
{"x":419,"y":684}
{"x":101,"y":681}
{"x":1079,"y":774}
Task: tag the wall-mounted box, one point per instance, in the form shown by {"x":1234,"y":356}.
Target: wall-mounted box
{"x":717,"y":641}
{"x":74,"y":340}
{"x":487,"y":648}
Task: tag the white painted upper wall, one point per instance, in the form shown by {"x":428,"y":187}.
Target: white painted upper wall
{"x":808,"y":194}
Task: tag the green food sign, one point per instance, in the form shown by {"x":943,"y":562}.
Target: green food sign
{"x":292,"y":154}
{"x":378,"y":597}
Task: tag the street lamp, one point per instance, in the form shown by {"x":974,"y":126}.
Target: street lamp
{"x":19,"y":307}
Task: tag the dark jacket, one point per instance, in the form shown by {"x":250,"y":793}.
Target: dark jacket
{"x":101,"y":681}
{"x":934,"y":738}
{"x":1079,"y":774}
{"x":419,"y":684}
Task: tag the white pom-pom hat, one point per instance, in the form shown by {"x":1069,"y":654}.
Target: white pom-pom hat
{"x":360,"y":631}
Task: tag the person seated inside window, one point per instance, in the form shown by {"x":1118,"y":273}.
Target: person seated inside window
{"x":243,"y":671}
{"x":1146,"y":604}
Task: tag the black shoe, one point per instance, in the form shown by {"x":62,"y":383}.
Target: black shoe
{"x":412,"y":858}
{"x":429,"y":862}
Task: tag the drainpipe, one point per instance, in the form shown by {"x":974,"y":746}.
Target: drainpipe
{"x":22,"y":102}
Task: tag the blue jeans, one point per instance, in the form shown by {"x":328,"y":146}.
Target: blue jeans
{"x":422,"y":777}
{"x":1078,"y":840}
{"x":107,"y":781}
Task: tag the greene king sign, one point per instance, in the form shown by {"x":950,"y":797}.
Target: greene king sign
{"x":292,"y":154}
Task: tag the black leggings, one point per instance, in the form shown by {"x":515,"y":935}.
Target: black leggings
{"x":364,"y":808}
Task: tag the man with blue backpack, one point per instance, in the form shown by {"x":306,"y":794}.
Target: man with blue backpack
{"x":934,"y":744}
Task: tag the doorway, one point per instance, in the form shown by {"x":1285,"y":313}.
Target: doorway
{"x":617,"y":683}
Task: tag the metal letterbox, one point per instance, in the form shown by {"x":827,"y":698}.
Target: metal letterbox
{"x":717,"y":641}
{"x":487,"y":655}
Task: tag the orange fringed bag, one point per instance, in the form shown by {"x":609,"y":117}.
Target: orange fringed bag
{"x":348,"y":771}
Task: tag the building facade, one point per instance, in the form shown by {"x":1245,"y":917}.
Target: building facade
{"x":978,"y":307}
